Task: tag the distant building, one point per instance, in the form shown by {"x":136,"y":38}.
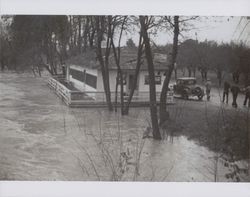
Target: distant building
{"x":85,"y":73}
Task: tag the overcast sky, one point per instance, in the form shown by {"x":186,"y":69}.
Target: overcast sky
{"x":219,"y":29}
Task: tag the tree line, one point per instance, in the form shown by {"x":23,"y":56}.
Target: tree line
{"x":210,"y":56}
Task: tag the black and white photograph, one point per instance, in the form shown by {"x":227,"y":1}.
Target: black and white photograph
{"x":124,"y":98}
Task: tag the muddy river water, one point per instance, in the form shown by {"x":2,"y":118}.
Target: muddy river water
{"x":42,"y":139}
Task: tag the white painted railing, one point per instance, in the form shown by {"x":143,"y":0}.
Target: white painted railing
{"x":60,"y":90}
{"x":79,"y":97}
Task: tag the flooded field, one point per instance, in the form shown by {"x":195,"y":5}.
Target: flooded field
{"x":42,"y":139}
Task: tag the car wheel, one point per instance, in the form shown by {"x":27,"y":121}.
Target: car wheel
{"x":199,"y":93}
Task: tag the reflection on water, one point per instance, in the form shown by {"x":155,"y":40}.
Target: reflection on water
{"x":42,"y":139}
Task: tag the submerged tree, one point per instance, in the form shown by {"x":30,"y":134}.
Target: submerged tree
{"x":101,"y":22}
{"x":164,"y":115}
{"x":121,"y":22}
{"x":144,"y":21}
{"x":140,"y":52}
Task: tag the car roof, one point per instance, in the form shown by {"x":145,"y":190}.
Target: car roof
{"x":187,"y":78}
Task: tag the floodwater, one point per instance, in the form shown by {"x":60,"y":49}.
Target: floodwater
{"x":42,"y":139}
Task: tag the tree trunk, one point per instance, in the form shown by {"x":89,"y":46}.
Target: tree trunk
{"x":116,"y":90}
{"x":2,"y":64}
{"x":79,"y":34}
{"x":137,"y":70}
{"x":164,"y":115}
{"x":189,"y":72}
{"x":119,"y":79}
{"x":104,"y":69}
{"x":85,"y":33}
{"x":91,"y":33}
{"x":117,"y":55}
{"x":71,"y":34}
{"x":39,"y":71}
{"x":152,"y":91}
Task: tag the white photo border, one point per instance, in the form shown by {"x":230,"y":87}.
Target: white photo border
{"x":124,"y":7}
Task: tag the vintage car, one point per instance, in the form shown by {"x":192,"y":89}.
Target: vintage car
{"x":186,"y":87}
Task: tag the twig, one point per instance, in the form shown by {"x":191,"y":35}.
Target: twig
{"x":90,"y":159}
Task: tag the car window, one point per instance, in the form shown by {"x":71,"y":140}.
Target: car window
{"x":191,"y":82}
{"x":186,"y":82}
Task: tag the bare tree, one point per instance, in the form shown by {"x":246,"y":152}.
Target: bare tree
{"x":152,"y":91}
{"x":117,"y":54}
{"x":178,"y":25}
{"x":163,"y":98}
{"x":137,"y":70}
{"x":104,"y":60}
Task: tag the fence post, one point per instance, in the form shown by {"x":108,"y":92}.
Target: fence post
{"x":69,"y":96}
